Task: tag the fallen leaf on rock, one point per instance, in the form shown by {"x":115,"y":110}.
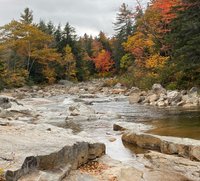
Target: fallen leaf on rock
{"x":93,"y":167}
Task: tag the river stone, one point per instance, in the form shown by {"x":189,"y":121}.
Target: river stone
{"x":117,"y":127}
{"x":158,"y":89}
{"x":65,"y":82}
{"x":174,"y":96}
{"x":118,"y":85}
{"x":134,"y":98}
{"x":153,"y":98}
{"x":135,"y":90}
{"x":5,"y":102}
{"x":118,"y":91}
{"x":161,"y":104}
{"x":193,"y":90}
{"x":181,"y":103}
{"x":112,"y":139}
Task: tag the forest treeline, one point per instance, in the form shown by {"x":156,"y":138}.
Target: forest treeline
{"x":160,"y":44}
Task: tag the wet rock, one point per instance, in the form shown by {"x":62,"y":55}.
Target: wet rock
{"x":117,"y":127}
{"x":137,"y":127}
{"x":112,"y":139}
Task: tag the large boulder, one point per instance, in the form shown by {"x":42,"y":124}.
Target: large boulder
{"x":158,"y":89}
{"x":26,"y":148}
{"x":174,"y":96}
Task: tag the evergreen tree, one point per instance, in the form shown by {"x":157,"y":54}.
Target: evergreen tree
{"x":27,"y":16}
{"x":123,"y":27}
{"x":42,"y":26}
{"x":68,"y":36}
{"x":58,"y":38}
{"x":104,"y":41}
{"x":184,"y":39}
{"x":50,"y":28}
{"x":124,"y":22}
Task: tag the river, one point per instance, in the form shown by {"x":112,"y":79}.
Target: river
{"x":111,"y":109}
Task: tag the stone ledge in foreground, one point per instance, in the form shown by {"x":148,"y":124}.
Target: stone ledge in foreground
{"x":184,"y":147}
{"x":26,"y":148}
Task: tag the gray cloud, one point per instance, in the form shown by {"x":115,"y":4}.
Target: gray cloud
{"x":88,"y":16}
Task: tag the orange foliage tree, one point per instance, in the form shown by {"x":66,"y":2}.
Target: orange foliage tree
{"x":147,"y":44}
{"x":103,"y":61}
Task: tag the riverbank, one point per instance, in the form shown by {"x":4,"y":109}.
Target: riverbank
{"x":47,"y":124}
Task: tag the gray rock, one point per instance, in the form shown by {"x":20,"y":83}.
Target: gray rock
{"x":161,"y":104}
{"x":5,"y":102}
{"x":65,"y":82}
{"x":193,"y":90}
{"x":134,"y":98}
{"x":153,"y":98}
{"x":158,"y":89}
{"x":174,"y":96}
{"x":33,"y":147}
{"x":118,"y":85}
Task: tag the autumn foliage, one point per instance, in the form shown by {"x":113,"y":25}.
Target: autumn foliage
{"x":157,"y":45}
{"x":103,"y":61}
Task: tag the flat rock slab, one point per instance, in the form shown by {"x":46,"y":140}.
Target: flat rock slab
{"x":184,"y":147}
{"x":26,"y":147}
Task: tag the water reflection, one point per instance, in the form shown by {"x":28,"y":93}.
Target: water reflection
{"x":180,"y":123}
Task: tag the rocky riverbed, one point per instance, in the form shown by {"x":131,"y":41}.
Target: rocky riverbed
{"x":61,"y":132}
{"x":158,"y":96}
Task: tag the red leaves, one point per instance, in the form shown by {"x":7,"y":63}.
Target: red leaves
{"x":103,"y":61}
{"x":165,"y":8}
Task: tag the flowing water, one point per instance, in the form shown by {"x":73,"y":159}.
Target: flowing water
{"x":167,"y":122}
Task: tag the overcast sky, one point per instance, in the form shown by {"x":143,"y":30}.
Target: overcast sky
{"x":87,"y":16}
